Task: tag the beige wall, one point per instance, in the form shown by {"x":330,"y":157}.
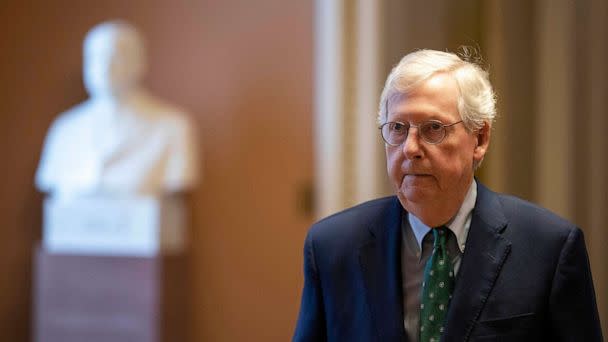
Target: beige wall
{"x":243,"y":70}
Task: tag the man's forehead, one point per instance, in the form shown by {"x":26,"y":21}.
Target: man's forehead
{"x":438,"y":85}
{"x":412,"y":106}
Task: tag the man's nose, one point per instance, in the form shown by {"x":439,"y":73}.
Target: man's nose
{"x":411,"y":145}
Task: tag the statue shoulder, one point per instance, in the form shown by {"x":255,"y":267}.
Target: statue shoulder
{"x":163,"y":111}
{"x":72,"y":119}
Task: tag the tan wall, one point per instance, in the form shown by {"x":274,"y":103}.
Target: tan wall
{"x":243,"y":70}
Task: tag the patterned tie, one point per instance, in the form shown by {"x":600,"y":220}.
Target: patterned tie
{"x":436,"y":289}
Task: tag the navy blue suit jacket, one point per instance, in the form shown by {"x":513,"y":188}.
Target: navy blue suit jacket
{"x":524,"y":276}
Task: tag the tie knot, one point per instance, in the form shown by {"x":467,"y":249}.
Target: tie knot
{"x":440,"y":235}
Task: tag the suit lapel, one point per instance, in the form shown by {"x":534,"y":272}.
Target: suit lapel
{"x":380,"y":260}
{"x":486,"y":251}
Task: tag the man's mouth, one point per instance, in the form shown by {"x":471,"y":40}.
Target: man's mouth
{"x":415,"y":178}
{"x":418,"y":174}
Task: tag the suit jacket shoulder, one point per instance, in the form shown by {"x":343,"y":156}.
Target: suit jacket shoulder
{"x":335,"y":241}
{"x":351,"y":224}
{"x":519,"y":211}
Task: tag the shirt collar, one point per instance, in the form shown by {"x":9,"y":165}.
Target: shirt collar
{"x":459,"y":224}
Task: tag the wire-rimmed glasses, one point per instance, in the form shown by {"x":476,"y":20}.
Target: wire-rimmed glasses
{"x":433,"y":132}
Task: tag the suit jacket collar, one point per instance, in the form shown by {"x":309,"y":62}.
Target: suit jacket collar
{"x":380,"y":259}
{"x":486,"y":251}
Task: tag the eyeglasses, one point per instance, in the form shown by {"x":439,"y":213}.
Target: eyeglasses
{"x":433,"y":131}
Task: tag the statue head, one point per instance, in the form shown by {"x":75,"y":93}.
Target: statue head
{"x":114,"y":59}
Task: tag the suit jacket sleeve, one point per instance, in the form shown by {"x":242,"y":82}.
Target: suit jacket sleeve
{"x":311,"y":321}
{"x":572,"y":307}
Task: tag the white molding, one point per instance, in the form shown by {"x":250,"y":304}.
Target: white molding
{"x":369,"y":156}
{"x":329,"y":104}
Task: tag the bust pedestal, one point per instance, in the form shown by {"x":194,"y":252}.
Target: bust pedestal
{"x":111,"y":270}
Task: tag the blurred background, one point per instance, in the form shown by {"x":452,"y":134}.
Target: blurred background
{"x":284,"y":97}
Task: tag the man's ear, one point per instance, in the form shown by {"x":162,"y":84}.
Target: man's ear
{"x":483,"y":141}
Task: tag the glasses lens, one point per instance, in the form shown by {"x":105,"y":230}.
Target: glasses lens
{"x":432,"y":131}
{"x":394,"y":133}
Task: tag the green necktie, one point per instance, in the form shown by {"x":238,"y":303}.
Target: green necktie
{"x":436,"y":289}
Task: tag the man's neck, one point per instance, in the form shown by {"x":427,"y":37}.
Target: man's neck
{"x":437,"y":213}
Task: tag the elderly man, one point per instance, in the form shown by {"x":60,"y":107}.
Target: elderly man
{"x":446,"y":258}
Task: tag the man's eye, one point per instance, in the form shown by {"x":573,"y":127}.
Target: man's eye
{"x":397,"y":127}
{"x":435,"y":126}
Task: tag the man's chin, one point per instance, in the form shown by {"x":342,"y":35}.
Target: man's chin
{"x":415,"y":195}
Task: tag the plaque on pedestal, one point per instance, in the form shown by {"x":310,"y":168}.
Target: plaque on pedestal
{"x":127,"y":226}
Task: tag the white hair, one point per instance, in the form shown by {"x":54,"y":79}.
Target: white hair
{"x":476,"y":102}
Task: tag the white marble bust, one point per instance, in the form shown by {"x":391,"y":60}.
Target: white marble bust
{"x":121,"y":141}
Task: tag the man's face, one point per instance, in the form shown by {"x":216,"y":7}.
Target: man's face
{"x":432,"y":180}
